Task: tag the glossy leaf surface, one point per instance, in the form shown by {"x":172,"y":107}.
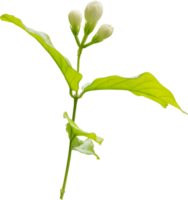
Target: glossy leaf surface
{"x":72,"y":76}
{"x":143,"y":85}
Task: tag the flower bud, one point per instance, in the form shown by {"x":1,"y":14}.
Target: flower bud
{"x":75,"y":19}
{"x":93,"y":13}
{"x":104,"y":32}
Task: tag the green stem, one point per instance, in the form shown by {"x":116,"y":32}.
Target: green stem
{"x":78,"y":60}
{"x":77,"y":40}
{"x":88,"y":45}
{"x":84,"y":40}
{"x":62,"y":191}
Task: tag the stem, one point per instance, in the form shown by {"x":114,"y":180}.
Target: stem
{"x":62,"y":191}
{"x":84,"y":40}
{"x":88,"y":45}
{"x":78,"y":60}
{"x":77,"y":40}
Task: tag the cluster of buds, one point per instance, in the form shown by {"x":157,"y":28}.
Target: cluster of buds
{"x":93,"y":13}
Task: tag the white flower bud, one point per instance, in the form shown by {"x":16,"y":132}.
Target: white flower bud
{"x":93,"y":13}
{"x":75,"y":19}
{"x":104,"y":32}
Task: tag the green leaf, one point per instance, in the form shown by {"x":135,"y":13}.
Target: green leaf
{"x":81,"y":132}
{"x":82,"y":146}
{"x":143,"y":85}
{"x":82,"y":141}
{"x":72,"y":76}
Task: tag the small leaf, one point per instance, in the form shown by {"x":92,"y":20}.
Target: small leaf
{"x":73,"y":129}
{"x":84,"y":147}
{"x":72,"y":76}
{"x":143,"y":85}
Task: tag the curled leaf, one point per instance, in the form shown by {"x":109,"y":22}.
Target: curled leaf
{"x":73,"y":129}
{"x":82,"y":146}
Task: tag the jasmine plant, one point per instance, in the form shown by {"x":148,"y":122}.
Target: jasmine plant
{"x":144,"y":84}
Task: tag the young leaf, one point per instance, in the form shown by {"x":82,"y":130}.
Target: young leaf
{"x":73,"y":129}
{"x":72,"y":76}
{"x":143,"y":85}
{"x":85,"y":147}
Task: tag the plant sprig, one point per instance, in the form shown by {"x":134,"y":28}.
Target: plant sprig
{"x":143,"y":85}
